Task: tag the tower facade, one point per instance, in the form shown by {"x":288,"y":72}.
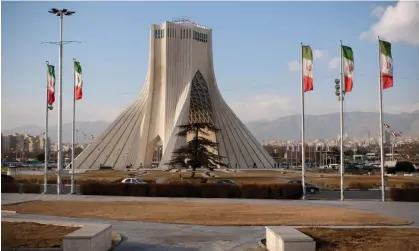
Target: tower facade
{"x":180,"y":88}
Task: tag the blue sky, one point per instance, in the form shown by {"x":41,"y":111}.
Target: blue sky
{"x":255,"y":44}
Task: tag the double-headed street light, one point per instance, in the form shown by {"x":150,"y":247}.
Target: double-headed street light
{"x":340,"y":93}
{"x":61,"y":14}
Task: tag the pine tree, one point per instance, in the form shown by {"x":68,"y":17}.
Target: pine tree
{"x":195,"y":153}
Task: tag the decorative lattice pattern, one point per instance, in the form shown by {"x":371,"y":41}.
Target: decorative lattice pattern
{"x":200,"y":110}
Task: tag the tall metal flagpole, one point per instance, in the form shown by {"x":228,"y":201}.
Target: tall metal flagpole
{"x":46,"y":137}
{"x":303,"y":157}
{"x":380,"y":97}
{"x":73,"y":130}
{"x":342,"y":164}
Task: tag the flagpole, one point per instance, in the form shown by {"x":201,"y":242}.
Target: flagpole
{"x":46,"y":136}
{"x":303,"y":157}
{"x":290,"y":164}
{"x":342,"y":164}
{"x":391,"y":147}
{"x":73,"y":131}
{"x":380,"y":97}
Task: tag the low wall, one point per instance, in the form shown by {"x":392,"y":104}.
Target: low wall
{"x":91,"y":237}
{"x":288,"y":239}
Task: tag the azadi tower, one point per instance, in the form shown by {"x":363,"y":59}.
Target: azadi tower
{"x":180,"y":88}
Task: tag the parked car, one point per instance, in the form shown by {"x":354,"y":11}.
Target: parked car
{"x":230,"y":182}
{"x":133,"y":181}
{"x":310,"y":188}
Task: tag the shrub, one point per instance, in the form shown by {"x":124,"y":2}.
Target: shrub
{"x":20,"y":188}
{"x":191,"y":190}
{"x":30,"y":188}
{"x":286,"y":191}
{"x":391,"y":170}
{"x":405,"y":194}
{"x":410,"y":185}
{"x":358,"y":185}
{"x":9,"y":188}
{"x":116,"y":189}
{"x":255,"y":191}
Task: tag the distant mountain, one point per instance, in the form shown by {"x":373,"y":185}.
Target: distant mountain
{"x":327,"y":126}
{"x":357,"y":125}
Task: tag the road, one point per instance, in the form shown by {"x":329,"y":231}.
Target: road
{"x":350,"y":195}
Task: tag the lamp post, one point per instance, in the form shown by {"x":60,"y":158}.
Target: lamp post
{"x":340,"y":93}
{"x":60,"y":14}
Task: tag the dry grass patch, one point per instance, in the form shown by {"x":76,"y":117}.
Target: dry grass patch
{"x":334,"y":181}
{"x":33,"y":235}
{"x":203,"y":213}
{"x":364,"y":239}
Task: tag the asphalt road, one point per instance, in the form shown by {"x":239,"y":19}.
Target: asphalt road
{"x":350,"y":195}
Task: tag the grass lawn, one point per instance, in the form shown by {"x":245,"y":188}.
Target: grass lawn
{"x":33,"y":235}
{"x":364,"y":239}
{"x":250,"y":177}
{"x":203,"y":213}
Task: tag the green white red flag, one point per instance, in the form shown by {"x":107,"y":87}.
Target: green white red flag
{"x":348,"y":67}
{"x":50,"y":84}
{"x":386,"y":64}
{"x":78,"y":80}
{"x":307,"y":68}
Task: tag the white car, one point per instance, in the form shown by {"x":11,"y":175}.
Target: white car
{"x":133,"y":181}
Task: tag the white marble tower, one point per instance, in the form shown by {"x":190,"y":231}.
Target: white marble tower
{"x":180,"y":87}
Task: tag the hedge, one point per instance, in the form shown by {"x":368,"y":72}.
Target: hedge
{"x":405,"y":194}
{"x":249,"y":191}
{"x":20,"y":188}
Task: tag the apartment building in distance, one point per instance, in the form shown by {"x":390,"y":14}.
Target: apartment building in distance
{"x":22,"y":143}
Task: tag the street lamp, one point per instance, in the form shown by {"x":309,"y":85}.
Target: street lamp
{"x":61,"y":14}
{"x":340,"y":93}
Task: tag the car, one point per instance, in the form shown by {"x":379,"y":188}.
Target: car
{"x":229,"y":182}
{"x":133,"y":181}
{"x":310,"y":188}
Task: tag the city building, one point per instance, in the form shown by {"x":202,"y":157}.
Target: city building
{"x":18,"y":143}
{"x":180,"y":88}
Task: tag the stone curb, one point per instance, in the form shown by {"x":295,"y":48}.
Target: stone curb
{"x":8,"y":212}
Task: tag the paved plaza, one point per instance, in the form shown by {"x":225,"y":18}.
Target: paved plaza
{"x":156,"y":236}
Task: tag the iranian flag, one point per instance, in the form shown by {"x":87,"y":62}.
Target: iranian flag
{"x":307,"y":68}
{"x":51,"y":84}
{"x":78,"y":80}
{"x":386,"y":64}
{"x":348,"y":67}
